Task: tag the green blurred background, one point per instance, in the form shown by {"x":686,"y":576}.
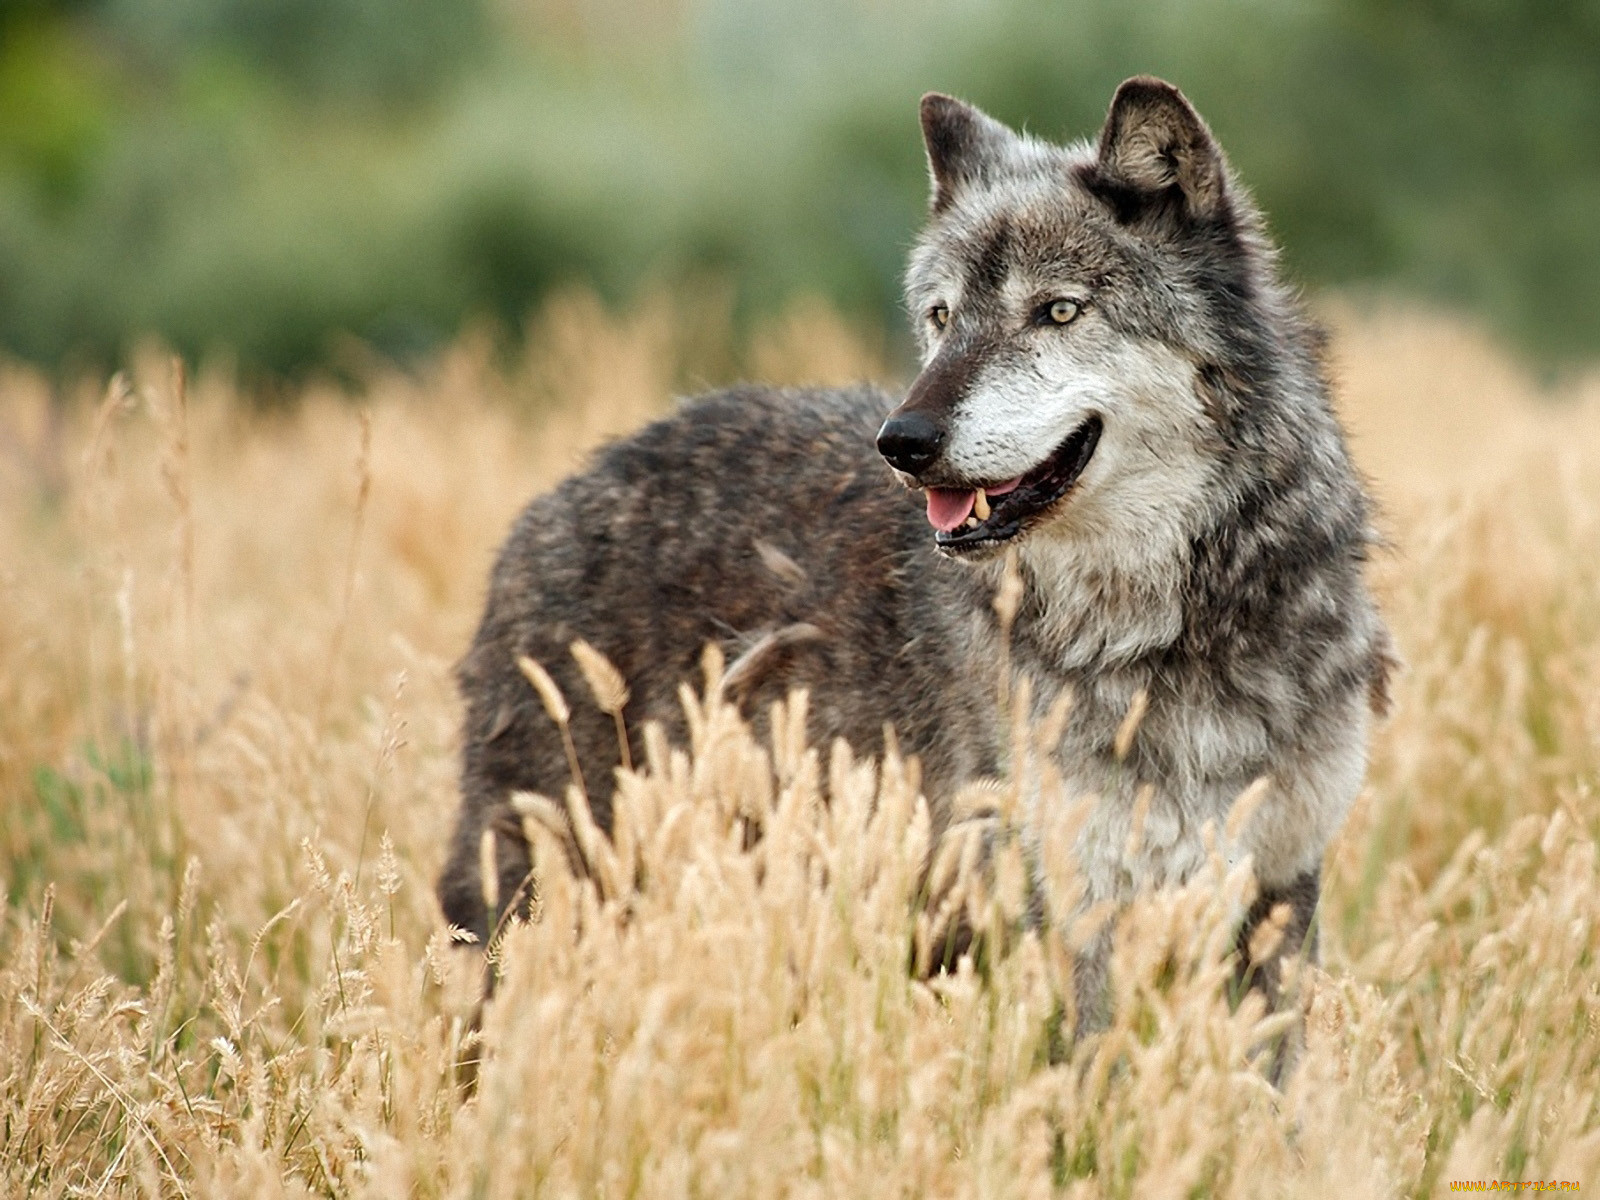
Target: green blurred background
{"x":269,"y":177}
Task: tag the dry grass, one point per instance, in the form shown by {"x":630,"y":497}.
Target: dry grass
{"x":226,"y":727}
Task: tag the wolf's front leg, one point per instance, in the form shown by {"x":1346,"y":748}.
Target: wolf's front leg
{"x":1279,"y":928}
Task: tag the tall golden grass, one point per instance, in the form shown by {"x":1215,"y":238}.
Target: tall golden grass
{"x":226,"y":738}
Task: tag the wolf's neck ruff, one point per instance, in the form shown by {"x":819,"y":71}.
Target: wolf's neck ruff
{"x":1116,"y":385}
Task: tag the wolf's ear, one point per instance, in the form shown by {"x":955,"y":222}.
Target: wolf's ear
{"x":964,"y":145}
{"x":1154,"y":142}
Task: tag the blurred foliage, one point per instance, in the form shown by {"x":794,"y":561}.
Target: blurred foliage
{"x":268,"y":176}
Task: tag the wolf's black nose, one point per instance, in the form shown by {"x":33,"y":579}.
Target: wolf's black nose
{"x":910,"y":441}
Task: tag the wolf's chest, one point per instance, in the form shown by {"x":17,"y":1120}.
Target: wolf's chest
{"x":1151,"y":815}
{"x":1153,"y":783}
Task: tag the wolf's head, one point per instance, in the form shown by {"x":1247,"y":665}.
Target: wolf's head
{"x":1094,"y":321}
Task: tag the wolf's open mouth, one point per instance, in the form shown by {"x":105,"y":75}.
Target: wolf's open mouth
{"x":985,"y":516}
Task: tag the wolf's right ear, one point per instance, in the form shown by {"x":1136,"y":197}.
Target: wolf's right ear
{"x":965,"y":146}
{"x":1154,"y":144}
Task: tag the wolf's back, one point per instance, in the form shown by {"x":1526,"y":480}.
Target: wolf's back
{"x":759,"y":519}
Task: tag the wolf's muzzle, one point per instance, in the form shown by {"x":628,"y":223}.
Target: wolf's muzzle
{"x":910,"y":441}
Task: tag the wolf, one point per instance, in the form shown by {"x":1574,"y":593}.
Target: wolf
{"x":1118,"y":391}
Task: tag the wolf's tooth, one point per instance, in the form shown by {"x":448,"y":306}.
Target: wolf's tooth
{"x":981,"y":505}
{"x":972,"y":522}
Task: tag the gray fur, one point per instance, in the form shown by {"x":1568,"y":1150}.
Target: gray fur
{"x":1209,"y":556}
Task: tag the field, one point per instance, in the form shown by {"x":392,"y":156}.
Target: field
{"x":226,"y":777}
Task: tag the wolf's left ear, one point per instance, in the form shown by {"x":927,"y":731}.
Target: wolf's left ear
{"x":1154,"y":142}
{"x":965,"y":146}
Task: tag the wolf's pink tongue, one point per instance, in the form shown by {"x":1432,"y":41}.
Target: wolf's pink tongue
{"x":948,"y":507}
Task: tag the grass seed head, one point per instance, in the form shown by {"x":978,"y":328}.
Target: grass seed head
{"x":605,"y":682}
{"x":555,"y":704}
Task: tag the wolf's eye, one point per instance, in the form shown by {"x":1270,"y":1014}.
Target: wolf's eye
{"x":939,"y":314}
{"x":1062,"y":311}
